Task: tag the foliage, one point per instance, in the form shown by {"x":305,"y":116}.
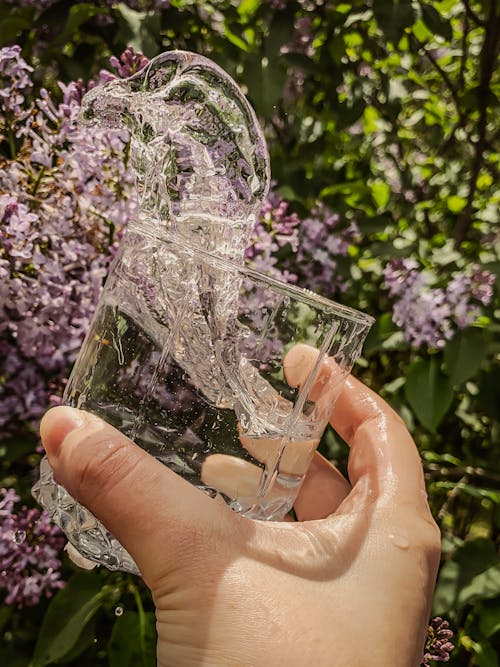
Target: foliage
{"x":383,"y":127}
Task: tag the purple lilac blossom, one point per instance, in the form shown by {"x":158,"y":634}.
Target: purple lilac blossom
{"x":438,"y":645}
{"x":323,"y":240}
{"x":29,"y":545}
{"x":274,"y":229}
{"x":129,"y":63}
{"x":15,"y":84}
{"x":430,"y":314}
{"x":65,"y":196}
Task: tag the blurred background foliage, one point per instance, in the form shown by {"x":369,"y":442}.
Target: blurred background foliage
{"x":386,"y":114}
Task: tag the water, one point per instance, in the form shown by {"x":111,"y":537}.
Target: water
{"x":184,"y":354}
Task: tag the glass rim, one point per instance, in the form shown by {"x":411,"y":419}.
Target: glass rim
{"x":301,"y":293}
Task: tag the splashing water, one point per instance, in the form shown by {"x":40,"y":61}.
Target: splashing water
{"x":169,"y":359}
{"x":202,"y":170}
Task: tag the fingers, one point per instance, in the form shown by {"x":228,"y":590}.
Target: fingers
{"x":383,"y":457}
{"x":135,"y":496}
{"x":323,"y":490}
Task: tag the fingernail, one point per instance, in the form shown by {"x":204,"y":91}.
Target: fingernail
{"x":56,"y":424}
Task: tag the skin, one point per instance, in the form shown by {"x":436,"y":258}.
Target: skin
{"x":348,"y":585}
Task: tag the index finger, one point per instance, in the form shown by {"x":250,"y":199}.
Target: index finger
{"x":383,"y":455}
{"x":383,"y":458}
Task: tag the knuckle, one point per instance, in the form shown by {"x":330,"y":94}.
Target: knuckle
{"x":106,"y":463}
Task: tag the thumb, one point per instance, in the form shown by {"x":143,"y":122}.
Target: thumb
{"x":147,"y":507}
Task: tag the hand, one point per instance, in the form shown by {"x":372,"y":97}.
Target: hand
{"x":349,"y":585}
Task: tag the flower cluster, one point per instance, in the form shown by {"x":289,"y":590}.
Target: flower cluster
{"x":275,"y":231}
{"x":127,"y":64}
{"x":323,"y":241}
{"x":29,"y":544}
{"x":430,"y":314}
{"x":65,"y":194}
{"x":438,"y":645}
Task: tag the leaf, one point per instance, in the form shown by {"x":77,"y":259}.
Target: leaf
{"x":455,"y":203}
{"x":141,"y":30}
{"x":11,"y":26}
{"x":381,"y":193}
{"x":265,"y":80}
{"x":435,"y":22}
{"x":486,"y":656}
{"x":485,"y":585}
{"x":383,"y":329}
{"x":487,"y":399}
{"x":13,"y":449}
{"x":489,"y":617}
{"x":77,"y":15}
{"x":464,"y":353}
{"x":70,"y":610}
{"x":132,"y":644}
{"x":393,"y":16}
{"x":428,"y":392}
{"x":461,"y":573}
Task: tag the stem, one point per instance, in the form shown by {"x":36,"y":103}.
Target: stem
{"x":142,"y":621}
{"x":38,"y":181}
{"x":12,"y":144}
{"x":472,"y":14}
{"x":436,"y":471}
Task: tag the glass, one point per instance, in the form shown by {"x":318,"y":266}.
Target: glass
{"x":196,"y":358}
{"x":199,"y":382}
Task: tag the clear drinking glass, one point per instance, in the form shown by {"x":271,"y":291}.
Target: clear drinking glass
{"x":192,"y":370}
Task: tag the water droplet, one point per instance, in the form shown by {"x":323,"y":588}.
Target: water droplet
{"x":19,"y":536}
{"x":118,"y":611}
{"x":400,"y":541}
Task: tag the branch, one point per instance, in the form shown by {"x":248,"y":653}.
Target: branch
{"x":436,"y":472}
{"x":472,"y":14}
{"x":444,"y":75}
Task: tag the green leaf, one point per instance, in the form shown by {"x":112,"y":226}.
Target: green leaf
{"x":393,"y":16}
{"x":265,"y":80}
{"x":77,"y":16}
{"x":487,"y":399}
{"x":133,"y":644}
{"x":11,"y":26}
{"x":464,"y":353}
{"x":435,"y":22}
{"x":455,"y":203}
{"x":13,"y":449}
{"x":428,"y":392}
{"x":71,"y":609}
{"x":486,"y":655}
{"x":141,"y":30}
{"x":381,"y":193}
{"x":381,"y":331}
{"x":489,"y":617}
{"x":485,"y":585}
{"x":463,"y":573}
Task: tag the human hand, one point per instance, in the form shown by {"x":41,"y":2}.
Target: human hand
{"x":349,"y":585}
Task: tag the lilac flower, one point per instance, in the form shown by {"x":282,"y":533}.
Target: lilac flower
{"x":15,"y":84}
{"x":65,"y":196}
{"x":430,"y":314}
{"x":29,"y":547}
{"x":438,"y":645}
{"x":323,"y":240}
{"x":275,"y":229}
{"x":129,"y":63}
